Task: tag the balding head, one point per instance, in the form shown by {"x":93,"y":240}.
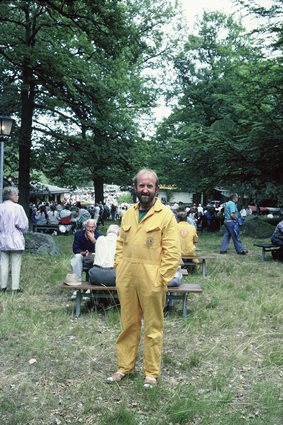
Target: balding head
{"x":146,"y":171}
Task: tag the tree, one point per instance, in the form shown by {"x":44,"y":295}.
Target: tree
{"x":272,"y":14}
{"x":228,"y":114}
{"x":79,"y":64}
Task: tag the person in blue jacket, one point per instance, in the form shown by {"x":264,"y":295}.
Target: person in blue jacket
{"x":232,"y":230}
{"x":84,"y":246}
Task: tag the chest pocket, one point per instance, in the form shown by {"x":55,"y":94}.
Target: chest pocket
{"x":126,"y":229}
{"x":153,"y":237}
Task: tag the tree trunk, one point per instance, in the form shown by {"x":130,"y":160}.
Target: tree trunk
{"x":27,"y":109}
{"x":27,"y":106}
{"x":98,"y":188}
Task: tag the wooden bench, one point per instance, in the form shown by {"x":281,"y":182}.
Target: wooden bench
{"x":266,"y":247}
{"x":110,"y":292}
{"x":40,"y":227}
{"x":54,"y":227}
{"x":189,"y":261}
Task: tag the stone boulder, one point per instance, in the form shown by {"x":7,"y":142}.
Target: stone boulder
{"x":40,"y":243}
{"x":256,"y":227}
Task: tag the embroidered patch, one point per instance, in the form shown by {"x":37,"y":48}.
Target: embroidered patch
{"x":184,"y":233}
{"x":149,"y":241}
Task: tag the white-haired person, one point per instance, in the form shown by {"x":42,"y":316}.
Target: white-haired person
{"x":13,"y":224}
{"x":84,"y":245}
{"x":103,"y":272}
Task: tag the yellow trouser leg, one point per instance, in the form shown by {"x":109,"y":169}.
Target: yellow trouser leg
{"x":153,"y":301}
{"x":140,"y":294}
{"x":128,"y":341}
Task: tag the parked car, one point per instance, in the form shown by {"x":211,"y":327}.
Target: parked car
{"x":263,"y":210}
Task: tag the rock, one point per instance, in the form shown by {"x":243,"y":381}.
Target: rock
{"x":40,"y":243}
{"x":257,"y":227}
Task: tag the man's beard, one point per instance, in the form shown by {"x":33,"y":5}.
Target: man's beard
{"x":145,"y":200}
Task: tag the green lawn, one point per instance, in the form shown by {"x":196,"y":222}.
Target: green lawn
{"x":222,"y":365}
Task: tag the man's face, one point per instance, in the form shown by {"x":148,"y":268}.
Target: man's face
{"x":90,"y":227}
{"x":146,"y":189}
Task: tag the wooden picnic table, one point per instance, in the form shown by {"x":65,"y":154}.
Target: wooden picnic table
{"x":266,"y":247}
{"x":110,"y":292}
{"x":201,"y":259}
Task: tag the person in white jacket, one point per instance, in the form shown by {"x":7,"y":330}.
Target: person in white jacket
{"x":13,"y":224}
{"x":103,"y":272}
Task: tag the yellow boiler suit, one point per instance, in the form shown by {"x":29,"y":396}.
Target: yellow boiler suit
{"x":147,"y":257}
{"x":188,"y":238}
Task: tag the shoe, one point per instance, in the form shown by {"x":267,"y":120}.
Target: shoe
{"x":223,"y":252}
{"x":86,"y":295}
{"x":149,"y":382}
{"x":14,"y":291}
{"x":116,"y":377}
{"x":243,"y":253}
{"x":3,"y":289}
{"x":74,"y":295}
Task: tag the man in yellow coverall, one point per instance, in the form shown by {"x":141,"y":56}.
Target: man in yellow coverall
{"x":188,"y":235}
{"x":147,"y":257}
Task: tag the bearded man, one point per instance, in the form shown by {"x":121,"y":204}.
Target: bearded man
{"x":146,"y":260}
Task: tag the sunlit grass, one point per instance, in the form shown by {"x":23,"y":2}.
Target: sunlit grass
{"x":222,"y":365}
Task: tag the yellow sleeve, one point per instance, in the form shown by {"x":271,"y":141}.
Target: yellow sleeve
{"x":195,"y":239}
{"x":119,"y":248}
{"x":171,"y":251}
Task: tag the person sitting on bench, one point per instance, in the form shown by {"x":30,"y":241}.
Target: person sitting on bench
{"x":277,"y":239}
{"x":53,"y":216}
{"x":188,"y":235}
{"x":41,"y":215}
{"x":175,"y":282}
{"x":103,"y":272}
{"x":84,"y":246}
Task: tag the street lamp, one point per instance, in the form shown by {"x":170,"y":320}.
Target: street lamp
{"x":5,"y":130}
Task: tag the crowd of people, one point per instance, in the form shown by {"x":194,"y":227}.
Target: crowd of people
{"x":72,"y":216}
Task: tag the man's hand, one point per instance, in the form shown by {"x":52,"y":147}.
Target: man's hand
{"x":89,"y":230}
{"x":90,"y":235}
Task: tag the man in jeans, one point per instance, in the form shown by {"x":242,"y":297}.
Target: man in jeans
{"x":231,"y":215}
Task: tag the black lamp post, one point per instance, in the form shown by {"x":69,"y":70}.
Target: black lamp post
{"x":5,"y":130}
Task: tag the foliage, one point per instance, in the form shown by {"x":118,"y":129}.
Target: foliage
{"x":80,"y":76}
{"x":79,"y":66}
{"x":227,"y":125}
{"x":273,"y":13}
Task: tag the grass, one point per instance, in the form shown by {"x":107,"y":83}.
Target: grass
{"x":221,"y":366}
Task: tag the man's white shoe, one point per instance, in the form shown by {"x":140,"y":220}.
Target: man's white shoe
{"x":74,"y":295}
{"x":149,"y":382}
{"x":86,"y":295}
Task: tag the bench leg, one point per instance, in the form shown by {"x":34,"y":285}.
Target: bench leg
{"x":78,"y":303}
{"x":203,"y":268}
{"x":263,"y":254}
{"x":185,"y":310}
